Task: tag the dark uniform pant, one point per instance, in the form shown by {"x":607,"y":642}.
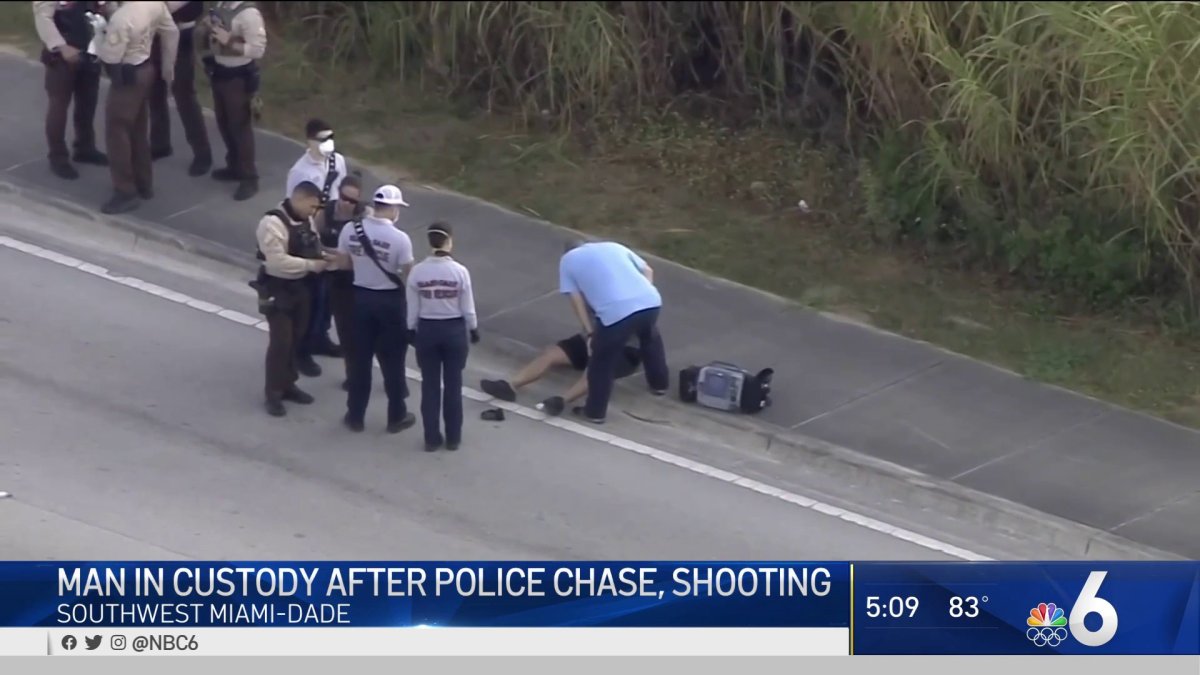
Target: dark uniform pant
{"x":67,"y":82}
{"x":286,"y":322}
{"x":380,"y":330}
{"x":341,"y":306}
{"x":442,"y":355}
{"x":608,"y":347}
{"x":233,"y":91}
{"x":127,"y":132}
{"x":318,"y":323}
{"x":183,"y":90}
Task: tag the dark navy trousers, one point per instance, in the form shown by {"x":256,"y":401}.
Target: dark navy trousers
{"x":317,"y":332}
{"x":608,"y":346}
{"x":380,"y":331}
{"x":442,"y":355}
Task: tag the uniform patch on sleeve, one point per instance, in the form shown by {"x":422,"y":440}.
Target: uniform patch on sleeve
{"x":113,"y":37}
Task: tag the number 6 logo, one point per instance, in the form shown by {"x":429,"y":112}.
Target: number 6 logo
{"x":1090,"y":603}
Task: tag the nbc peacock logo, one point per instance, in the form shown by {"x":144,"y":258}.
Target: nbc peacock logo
{"x":1047,"y":625}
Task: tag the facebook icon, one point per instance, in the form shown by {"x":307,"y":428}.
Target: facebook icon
{"x":68,"y":642}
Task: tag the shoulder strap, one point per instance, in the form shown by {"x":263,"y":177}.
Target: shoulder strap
{"x":331,"y":174}
{"x":365,"y":242}
{"x":278,"y":213}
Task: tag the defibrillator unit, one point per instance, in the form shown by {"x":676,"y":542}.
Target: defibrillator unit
{"x":725,"y":386}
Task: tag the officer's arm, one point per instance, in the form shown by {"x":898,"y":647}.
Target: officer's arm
{"x":250,"y":34}
{"x":405,"y":255}
{"x":272,"y":241}
{"x":168,"y":35}
{"x":642,"y":266}
{"x":413,"y":299}
{"x":466,"y":300}
{"x":567,"y":286}
{"x":43,"y":22}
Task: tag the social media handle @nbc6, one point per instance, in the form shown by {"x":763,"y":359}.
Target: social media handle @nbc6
{"x":161,"y":643}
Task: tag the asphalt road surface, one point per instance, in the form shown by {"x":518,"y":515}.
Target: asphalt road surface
{"x":133,"y":428}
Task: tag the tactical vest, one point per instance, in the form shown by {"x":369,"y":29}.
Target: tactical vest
{"x":225,"y":15}
{"x":191,"y":11}
{"x":70,"y":18}
{"x":302,"y":242}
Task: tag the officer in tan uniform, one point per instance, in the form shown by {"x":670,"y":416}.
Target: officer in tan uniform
{"x":237,"y":38}
{"x":183,"y":90}
{"x":290,"y":250}
{"x":71,"y":75}
{"x":125,"y":52}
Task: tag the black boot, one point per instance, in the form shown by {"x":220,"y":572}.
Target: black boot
{"x":275,"y":408}
{"x":120,"y":203}
{"x":91,"y":156}
{"x":307,"y":366}
{"x":200,"y":166}
{"x":63,"y":169}
{"x":245,"y":190}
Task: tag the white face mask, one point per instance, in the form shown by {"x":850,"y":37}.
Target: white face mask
{"x":326,"y":147}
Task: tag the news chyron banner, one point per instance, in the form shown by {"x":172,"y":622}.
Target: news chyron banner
{"x":667,"y":608}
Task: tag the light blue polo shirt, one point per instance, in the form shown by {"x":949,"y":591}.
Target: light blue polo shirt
{"x":609,"y":277}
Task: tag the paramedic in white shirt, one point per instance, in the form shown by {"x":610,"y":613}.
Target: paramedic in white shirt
{"x":380,"y":317}
{"x":442,"y":312}
{"x":320,"y":164}
{"x":325,"y":168}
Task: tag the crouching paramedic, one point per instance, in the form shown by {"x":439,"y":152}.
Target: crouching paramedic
{"x":290,"y":251}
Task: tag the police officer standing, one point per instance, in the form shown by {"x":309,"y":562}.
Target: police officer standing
{"x":321,"y":165}
{"x":125,"y":53}
{"x":71,"y":74}
{"x":442,"y":314}
{"x":330,"y":221}
{"x":237,"y":38}
{"x":183,"y":90}
{"x":380,"y":253}
{"x":290,"y":251}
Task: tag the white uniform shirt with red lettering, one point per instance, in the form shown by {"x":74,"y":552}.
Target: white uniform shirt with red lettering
{"x":439,"y":287}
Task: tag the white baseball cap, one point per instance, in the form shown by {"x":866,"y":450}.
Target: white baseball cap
{"x":390,"y":195}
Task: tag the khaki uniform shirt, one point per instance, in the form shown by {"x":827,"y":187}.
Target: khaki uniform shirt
{"x":43,"y":23}
{"x":272,"y":238}
{"x":247,"y":38}
{"x":130,"y":35}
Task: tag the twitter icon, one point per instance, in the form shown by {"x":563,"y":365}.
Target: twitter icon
{"x":92,"y":642}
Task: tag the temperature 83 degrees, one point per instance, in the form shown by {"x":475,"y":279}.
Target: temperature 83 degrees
{"x":966,"y":606}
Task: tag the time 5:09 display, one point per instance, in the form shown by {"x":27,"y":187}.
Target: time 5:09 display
{"x":894,"y":607}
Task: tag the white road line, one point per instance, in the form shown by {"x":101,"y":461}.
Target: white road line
{"x":589,"y":432}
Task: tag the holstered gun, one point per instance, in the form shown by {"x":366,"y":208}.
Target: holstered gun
{"x":266,"y":299}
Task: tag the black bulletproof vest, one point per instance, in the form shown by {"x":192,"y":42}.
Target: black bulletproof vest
{"x":302,"y":242}
{"x":70,"y":18}
{"x":333,"y":225}
{"x":191,"y":11}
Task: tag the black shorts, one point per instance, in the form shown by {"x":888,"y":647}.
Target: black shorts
{"x":575,"y":347}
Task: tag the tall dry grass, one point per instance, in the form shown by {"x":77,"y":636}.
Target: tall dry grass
{"x":1060,"y":138}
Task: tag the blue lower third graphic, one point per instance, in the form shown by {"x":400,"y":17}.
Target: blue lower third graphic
{"x":1027,"y":608}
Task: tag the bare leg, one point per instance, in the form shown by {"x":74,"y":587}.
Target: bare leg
{"x":577,"y":390}
{"x":535,"y":369}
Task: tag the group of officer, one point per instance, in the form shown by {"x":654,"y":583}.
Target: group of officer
{"x":147,"y":49}
{"x":326,"y":255}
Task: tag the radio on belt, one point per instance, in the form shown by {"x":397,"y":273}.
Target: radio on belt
{"x":725,"y":386}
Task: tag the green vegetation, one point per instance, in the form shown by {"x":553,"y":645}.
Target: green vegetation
{"x":1013,"y":181}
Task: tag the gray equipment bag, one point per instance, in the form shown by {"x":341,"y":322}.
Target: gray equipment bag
{"x":725,"y":386}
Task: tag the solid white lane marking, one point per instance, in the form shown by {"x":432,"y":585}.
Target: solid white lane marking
{"x":587,"y":431}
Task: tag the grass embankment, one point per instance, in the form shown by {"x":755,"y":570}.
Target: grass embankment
{"x":1013,"y":181}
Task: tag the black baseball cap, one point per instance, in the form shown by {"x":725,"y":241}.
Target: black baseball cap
{"x":315,"y":128}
